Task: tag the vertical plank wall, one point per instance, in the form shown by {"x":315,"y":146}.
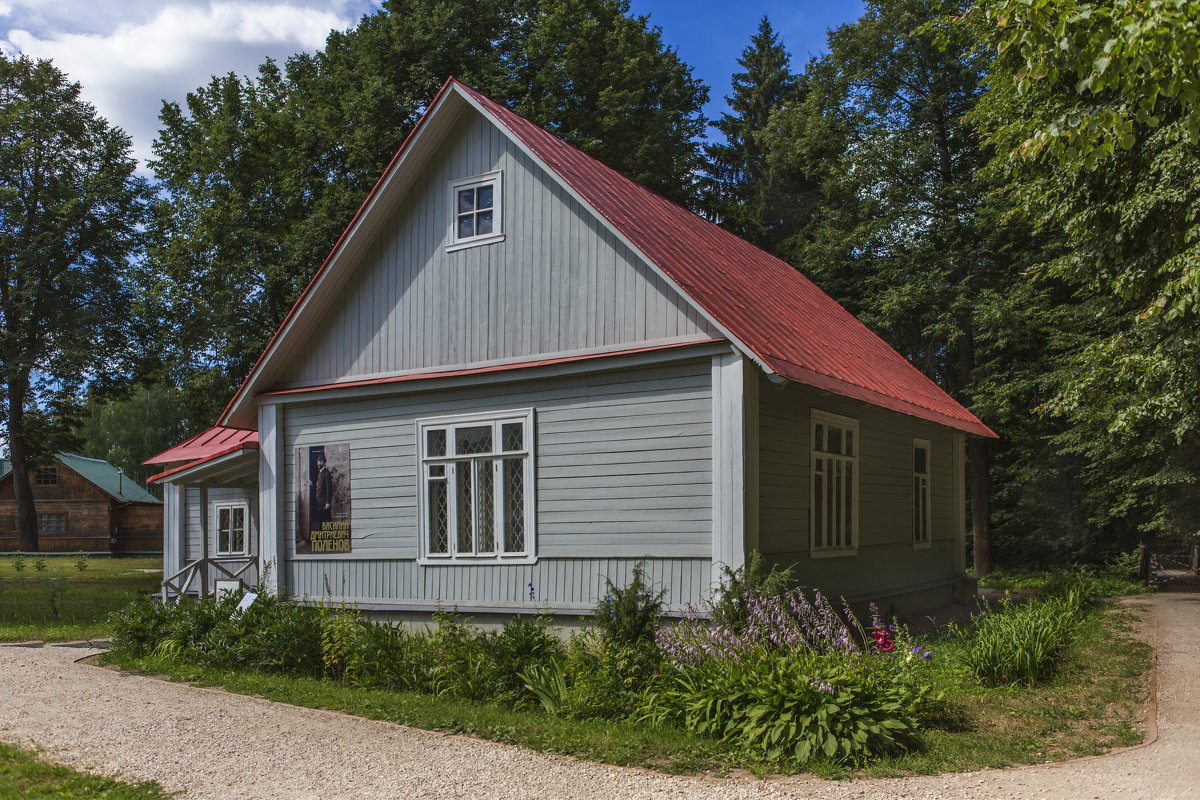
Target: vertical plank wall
{"x":623,"y":471}
{"x":558,"y":283}
{"x":216,"y":494}
{"x":886,"y":559}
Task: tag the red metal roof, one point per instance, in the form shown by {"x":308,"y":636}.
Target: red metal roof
{"x":207,"y":445}
{"x":768,"y":306}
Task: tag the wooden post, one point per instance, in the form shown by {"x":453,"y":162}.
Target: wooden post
{"x":271,"y":546}
{"x":728,"y":464}
{"x":204,"y":551}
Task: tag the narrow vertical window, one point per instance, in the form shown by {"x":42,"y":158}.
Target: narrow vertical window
{"x":833,"y":485}
{"x":478,"y":476}
{"x":922,"y":513}
{"x":476,"y":213}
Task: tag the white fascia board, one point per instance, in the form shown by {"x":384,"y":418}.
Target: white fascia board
{"x":393,"y":188}
{"x":209,"y":470}
{"x":532,"y":372}
{"x":615,"y":231}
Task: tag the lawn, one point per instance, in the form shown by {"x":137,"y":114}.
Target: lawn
{"x":1094,"y":703}
{"x":64,"y":598}
{"x":23,"y":776}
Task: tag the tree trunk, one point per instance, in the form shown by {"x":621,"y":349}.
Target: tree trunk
{"x":18,"y":452}
{"x":981,"y":522}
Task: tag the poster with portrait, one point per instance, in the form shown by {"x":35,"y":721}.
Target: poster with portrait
{"x":323,"y":499}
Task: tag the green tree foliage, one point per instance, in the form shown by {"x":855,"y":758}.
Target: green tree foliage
{"x":756,"y":198}
{"x":909,"y":242}
{"x":70,"y":207}
{"x":1094,"y":112}
{"x":127,"y":431}
{"x":260,"y":175}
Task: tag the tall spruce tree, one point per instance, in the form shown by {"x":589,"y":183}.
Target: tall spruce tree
{"x":908,"y":236}
{"x":70,"y":207}
{"x":742,"y":189}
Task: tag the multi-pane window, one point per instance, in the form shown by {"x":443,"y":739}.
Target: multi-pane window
{"x":45,"y":476}
{"x":834,"y":483}
{"x":922,"y":515}
{"x":52,"y":523}
{"x":230,"y":522}
{"x":476,"y":210}
{"x":477,"y":485}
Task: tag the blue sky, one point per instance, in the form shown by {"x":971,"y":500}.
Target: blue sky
{"x":131,"y":54}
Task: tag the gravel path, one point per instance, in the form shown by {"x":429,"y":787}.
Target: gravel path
{"x":218,"y":745}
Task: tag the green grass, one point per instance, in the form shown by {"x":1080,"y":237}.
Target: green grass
{"x":63,"y":603}
{"x":1090,"y":706}
{"x":1099,"y":583}
{"x":23,"y":776}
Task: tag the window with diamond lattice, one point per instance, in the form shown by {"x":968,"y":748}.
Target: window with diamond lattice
{"x":477,"y":475}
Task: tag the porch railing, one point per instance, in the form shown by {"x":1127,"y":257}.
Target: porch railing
{"x":203,"y":570}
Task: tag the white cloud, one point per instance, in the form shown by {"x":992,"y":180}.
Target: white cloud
{"x":131,"y":55}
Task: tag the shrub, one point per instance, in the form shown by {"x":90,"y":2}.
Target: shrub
{"x":629,"y":614}
{"x":792,"y":707}
{"x":752,"y":578}
{"x":1022,"y":643}
{"x":524,"y":642}
{"x":599,"y":677}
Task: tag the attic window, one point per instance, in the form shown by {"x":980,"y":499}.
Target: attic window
{"x":45,"y":476}
{"x":476,"y":211}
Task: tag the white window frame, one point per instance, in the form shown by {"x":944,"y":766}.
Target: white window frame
{"x":496,"y":181}
{"x":45,"y":476}
{"x":215,"y":509}
{"x":923,"y":516}
{"x":828,"y":419}
{"x":424,"y":461}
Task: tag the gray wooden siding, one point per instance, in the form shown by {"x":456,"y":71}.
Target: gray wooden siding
{"x":623,"y":470}
{"x":886,"y":558}
{"x":557,"y":582}
{"x":191,"y":519}
{"x":559,"y":283}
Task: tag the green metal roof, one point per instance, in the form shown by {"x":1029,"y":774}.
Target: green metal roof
{"x":123,"y":488}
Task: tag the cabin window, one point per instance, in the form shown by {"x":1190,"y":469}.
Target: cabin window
{"x":477,"y":486}
{"x":45,"y":476}
{"x":52,"y":523}
{"x":476,"y":211}
{"x":834,"y":485}
{"x":229,"y":525}
{"x":922,"y":514}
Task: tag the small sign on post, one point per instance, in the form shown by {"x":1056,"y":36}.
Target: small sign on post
{"x":247,"y":600}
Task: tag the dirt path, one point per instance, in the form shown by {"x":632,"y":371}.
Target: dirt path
{"x":217,"y":745}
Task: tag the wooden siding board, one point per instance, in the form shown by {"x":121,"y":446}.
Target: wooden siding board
{"x":577,"y":581}
{"x":886,"y":557}
{"x":593,"y":470}
{"x":559,"y":282}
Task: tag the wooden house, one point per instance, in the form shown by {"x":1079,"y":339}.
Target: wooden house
{"x":518,"y":374}
{"x":84,"y":505}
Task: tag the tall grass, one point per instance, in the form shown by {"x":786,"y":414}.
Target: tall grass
{"x":1024,"y":643}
